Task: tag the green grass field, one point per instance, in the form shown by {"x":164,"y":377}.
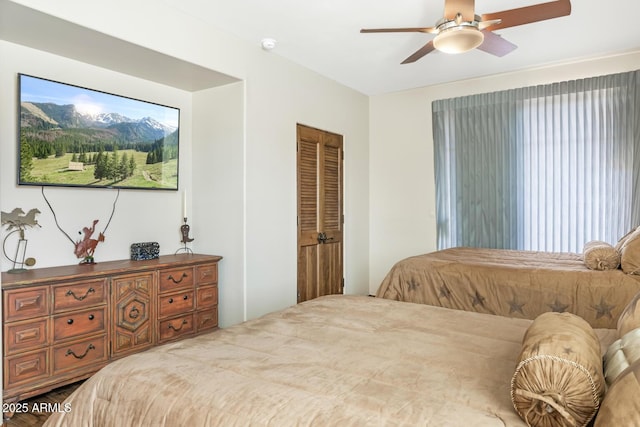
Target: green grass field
{"x":55,"y":170}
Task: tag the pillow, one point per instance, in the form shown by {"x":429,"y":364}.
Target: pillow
{"x":600,"y":256}
{"x":558,"y":378}
{"x":621,"y":354}
{"x":621,"y":406}
{"x":630,"y":317}
{"x":630,"y":254}
{"x":624,"y":239}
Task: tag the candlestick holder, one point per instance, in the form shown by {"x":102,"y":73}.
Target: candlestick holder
{"x":184,"y":231}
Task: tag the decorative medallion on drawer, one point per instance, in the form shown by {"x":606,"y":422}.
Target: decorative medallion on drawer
{"x":61,"y":324}
{"x":132,"y":312}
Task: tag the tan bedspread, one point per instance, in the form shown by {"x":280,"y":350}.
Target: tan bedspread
{"x":332,"y":361}
{"x":511,"y":283}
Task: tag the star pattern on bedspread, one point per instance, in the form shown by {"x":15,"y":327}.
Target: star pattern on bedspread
{"x":568,"y":350}
{"x":477,"y":299}
{"x":413,"y":285}
{"x":445,"y":292}
{"x":603,"y":309}
{"x":515,"y":306}
{"x":558,"y":307}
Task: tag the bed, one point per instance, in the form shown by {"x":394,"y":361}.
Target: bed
{"x":335,"y":360}
{"x":511,"y":283}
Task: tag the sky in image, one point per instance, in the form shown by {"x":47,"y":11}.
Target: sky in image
{"x":87,"y":101}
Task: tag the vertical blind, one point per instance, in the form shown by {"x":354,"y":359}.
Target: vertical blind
{"x":544,"y":168}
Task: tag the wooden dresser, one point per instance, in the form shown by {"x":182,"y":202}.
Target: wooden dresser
{"x":61,"y":324}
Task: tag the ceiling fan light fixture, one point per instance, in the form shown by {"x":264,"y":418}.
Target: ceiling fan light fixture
{"x":458,"y":39}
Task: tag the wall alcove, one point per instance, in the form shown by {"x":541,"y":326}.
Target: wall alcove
{"x":60,"y":37}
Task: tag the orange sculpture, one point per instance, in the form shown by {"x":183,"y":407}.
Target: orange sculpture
{"x":87,"y":246}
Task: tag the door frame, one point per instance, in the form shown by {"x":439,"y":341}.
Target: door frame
{"x":320,"y":236}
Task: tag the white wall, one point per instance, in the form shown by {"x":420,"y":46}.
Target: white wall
{"x":278,"y":97}
{"x":256,"y":233}
{"x":402,"y":196}
{"x":218,"y":187}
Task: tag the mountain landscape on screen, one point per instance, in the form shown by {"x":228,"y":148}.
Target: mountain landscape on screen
{"x":86,"y":144}
{"x":110,"y":126}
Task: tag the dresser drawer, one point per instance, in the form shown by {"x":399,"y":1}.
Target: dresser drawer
{"x":25,"y":304}
{"x":79,"y":295}
{"x":176,"y":303}
{"x":79,"y":354}
{"x":207,"y":273}
{"x":207,"y":319}
{"x":79,"y":323}
{"x":25,"y":368}
{"x":207,"y":296}
{"x":177,"y":278}
{"x":21,"y":336}
{"x":177,"y":327}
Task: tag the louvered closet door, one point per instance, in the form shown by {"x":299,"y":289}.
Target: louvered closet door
{"x":320,"y":219}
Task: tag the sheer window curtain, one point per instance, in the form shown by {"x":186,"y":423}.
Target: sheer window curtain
{"x":544,"y":168}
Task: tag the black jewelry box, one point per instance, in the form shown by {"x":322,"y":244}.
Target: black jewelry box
{"x":144,"y":251}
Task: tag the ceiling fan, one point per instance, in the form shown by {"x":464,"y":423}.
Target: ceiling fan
{"x":461,"y":30}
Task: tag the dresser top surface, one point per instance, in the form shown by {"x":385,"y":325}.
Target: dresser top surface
{"x":82,"y":271}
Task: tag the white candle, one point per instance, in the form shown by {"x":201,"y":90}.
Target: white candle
{"x":184,"y":203}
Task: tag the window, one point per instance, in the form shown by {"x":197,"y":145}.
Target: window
{"x":540,"y":168}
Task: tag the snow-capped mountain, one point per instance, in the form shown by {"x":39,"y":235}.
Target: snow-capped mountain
{"x":107,"y":118}
{"x":48,"y":116}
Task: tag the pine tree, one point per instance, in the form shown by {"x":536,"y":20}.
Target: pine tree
{"x":123,"y":166}
{"x":26,"y":161}
{"x":100,"y":171}
{"x":132,"y":165}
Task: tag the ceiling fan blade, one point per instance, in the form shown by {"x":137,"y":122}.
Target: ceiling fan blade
{"x":463,"y":7}
{"x":528,"y":14}
{"x":420,"y":53}
{"x":400,"y":30}
{"x":486,"y":24}
{"x":495,"y":44}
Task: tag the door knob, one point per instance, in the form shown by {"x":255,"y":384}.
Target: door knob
{"x":322,"y":238}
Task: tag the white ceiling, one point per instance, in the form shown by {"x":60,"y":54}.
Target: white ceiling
{"x":323,"y":35}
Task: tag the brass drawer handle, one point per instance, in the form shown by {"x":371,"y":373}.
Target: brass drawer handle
{"x":184,"y":322}
{"x":71,"y":353}
{"x":71,"y":293}
{"x":184,"y":275}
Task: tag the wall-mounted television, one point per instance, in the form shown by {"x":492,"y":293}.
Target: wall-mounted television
{"x":74,"y":136}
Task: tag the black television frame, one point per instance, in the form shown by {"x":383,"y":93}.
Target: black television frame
{"x":61,"y":135}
